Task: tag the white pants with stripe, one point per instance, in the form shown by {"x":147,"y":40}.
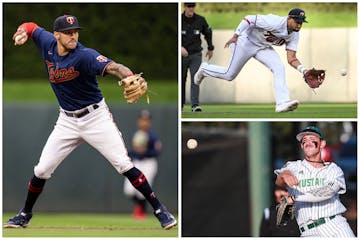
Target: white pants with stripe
{"x":96,"y":128}
{"x":242,"y":51}
{"x":337,"y":227}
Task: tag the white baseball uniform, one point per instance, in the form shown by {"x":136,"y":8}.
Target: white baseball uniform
{"x":318,"y":207}
{"x":257,"y":34}
{"x":106,"y":138}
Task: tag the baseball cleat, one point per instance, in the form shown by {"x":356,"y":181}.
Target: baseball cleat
{"x":196,"y":108}
{"x":165,"y":218}
{"x":199,"y":75}
{"x":287,"y":106}
{"x":22,"y":219}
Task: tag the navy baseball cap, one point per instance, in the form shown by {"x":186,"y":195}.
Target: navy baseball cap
{"x":298,"y":15}
{"x":309,"y":130}
{"x":66,"y":22}
{"x":190,"y":4}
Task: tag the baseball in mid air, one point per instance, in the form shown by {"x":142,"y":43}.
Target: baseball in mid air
{"x":192,"y":143}
{"x":343,"y":72}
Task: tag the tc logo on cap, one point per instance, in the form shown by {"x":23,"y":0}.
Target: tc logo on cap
{"x":70,"y":20}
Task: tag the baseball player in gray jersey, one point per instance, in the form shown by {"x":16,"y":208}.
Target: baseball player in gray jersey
{"x":254,"y":37}
{"x":314,"y":186}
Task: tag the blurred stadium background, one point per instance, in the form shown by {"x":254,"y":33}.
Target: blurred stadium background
{"x":228,"y":179}
{"x":132,"y":34}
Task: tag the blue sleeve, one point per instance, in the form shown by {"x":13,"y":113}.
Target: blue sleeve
{"x":43,"y":40}
{"x":95,"y":62}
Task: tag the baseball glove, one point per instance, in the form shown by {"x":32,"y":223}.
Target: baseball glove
{"x":285,"y":212}
{"x":135,"y":86}
{"x":314,"y":78}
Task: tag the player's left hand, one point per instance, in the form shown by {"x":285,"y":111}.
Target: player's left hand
{"x":285,"y":211}
{"x":135,"y":86}
{"x":314,"y":77}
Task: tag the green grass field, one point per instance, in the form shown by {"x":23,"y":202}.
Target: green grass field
{"x":319,"y":15}
{"x":39,"y":90}
{"x":305,"y":110}
{"x":317,"y":20}
{"x":89,"y":225}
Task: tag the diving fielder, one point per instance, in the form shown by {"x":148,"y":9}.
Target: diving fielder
{"x":83,"y":114}
{"x":254,"y":38}
{"x":315,"y":186}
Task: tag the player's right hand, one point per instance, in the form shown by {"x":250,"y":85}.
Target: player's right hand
{"x":20,"y":36}
{"x":232,"y":40}
{"x":289,"y":179}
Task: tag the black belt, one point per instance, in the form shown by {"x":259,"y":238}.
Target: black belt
{"x":316,"y":223}
{"x":82,"y":113}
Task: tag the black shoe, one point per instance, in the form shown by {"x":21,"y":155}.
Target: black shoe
{"x":22,"y":219}
{"x":165,"y":218}
{"x":196,"y":108}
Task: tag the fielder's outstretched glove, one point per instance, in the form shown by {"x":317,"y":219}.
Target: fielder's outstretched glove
{"x":285,"y":212}
{"x":135,"y":86}
{"x":314,"y":78}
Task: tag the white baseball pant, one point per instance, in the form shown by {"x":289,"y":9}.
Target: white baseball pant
{"x":96,"y":128}
{"x":241,"y":52}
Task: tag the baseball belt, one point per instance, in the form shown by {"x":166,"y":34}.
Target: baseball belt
{"x":316,"y":223}
{"x":82,"y":113}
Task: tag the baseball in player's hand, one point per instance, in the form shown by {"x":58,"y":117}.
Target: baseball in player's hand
{"x":20,"y":37}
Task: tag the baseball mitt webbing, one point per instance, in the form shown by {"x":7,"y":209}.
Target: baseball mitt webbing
{"x":314,"y":77}
{"x":285,"y":212}
{"x":135,"y":86}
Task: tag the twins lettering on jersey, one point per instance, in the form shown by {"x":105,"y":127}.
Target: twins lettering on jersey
{"x":269,"y":37}
{"x":57,"y":75}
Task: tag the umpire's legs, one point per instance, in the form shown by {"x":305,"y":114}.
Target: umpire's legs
{"x":195,"y":62}
{"x":184,"y":69}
